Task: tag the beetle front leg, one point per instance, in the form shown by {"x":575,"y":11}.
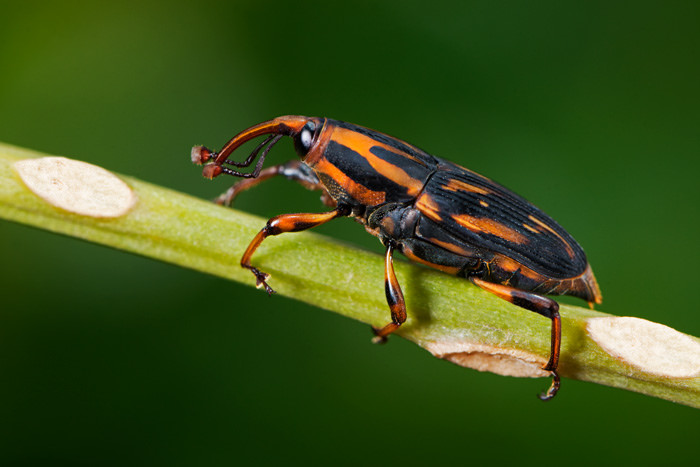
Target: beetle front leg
{"x":394,"y":297}
{"x":282,"y":224}
{"x":541,"y":305}
{"x":293,"y":170}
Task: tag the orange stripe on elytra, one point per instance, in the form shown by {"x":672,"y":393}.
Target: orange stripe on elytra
{"x":427,"y":205}
{"x":489,"y":226}
{"x":531,"y":228}
{"x":441,"y":267}
{"x":510,"y":265}
{"x":567,"y":247}
{"x":454,"y":248}
{"x":362,"y":144}
{"x":458,"y":185}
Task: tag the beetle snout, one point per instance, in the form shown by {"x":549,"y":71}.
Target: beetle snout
{"x":288,"y":125}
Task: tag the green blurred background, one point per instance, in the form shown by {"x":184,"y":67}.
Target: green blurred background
{"x":590,"y":110}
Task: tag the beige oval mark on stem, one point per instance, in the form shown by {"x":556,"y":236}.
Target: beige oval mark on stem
{"x":650,"y":347}
{"x":482,"y":357}
{"x":76,"y":186}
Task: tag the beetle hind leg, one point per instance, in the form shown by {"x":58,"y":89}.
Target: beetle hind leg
{"x":394,"y":297}
{"x":541,"y":305}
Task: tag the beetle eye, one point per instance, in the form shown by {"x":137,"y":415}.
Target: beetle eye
{"x":305,"y":138}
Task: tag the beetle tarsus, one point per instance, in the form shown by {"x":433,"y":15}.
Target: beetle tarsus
{"x":261,"y":280}
{"x":377,"y":339}
{"x":553,"y":388}
{"x":381,"y":335}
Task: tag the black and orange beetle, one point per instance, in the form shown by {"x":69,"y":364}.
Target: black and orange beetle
{"x":431,"y":210}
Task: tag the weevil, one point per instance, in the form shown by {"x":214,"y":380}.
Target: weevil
{"x":433,"y":211}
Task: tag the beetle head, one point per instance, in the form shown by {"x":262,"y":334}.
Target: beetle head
{"x":304,"y":131}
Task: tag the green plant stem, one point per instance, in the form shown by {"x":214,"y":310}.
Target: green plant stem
{"x":179,"y":229}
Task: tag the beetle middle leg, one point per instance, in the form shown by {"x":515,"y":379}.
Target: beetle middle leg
{"x":293,"y":170}
{"x":394,"y":297}
{"x":541,"y":305}
{"x":282,"y":224}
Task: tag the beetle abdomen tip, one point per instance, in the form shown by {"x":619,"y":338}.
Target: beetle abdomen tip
{"x":584,"y":286}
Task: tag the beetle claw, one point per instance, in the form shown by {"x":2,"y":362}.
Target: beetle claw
{"x":378,"y":339}
{"x":262,"y":284}
{"x":553,"y":388}
{"x":261,"y":280}
{"x":224,"y":199}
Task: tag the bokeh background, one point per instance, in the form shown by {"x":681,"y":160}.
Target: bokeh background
{"x":591,"y":110}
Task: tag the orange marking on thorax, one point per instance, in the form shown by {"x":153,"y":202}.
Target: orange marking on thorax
{"x":356,"y":190}
{"x":362,"y":144}
{"x":367,"y":142}
{"x":316,"y":160}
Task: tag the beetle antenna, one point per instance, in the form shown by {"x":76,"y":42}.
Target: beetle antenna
{"x":259,"y":165}
{"x":269,"y":142}
{"x":252,"y":155}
